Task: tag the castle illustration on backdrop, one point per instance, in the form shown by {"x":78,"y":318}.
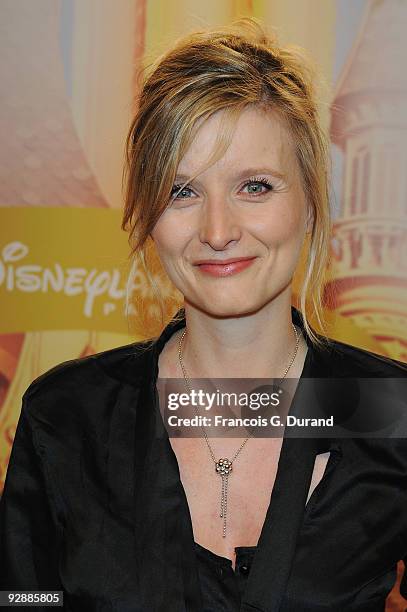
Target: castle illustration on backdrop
{"x":369,"y":125}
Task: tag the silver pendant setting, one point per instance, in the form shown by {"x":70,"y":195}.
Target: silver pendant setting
{"x":223,"y":467}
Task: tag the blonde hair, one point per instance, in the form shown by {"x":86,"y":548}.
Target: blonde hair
{"x":227,"y":69}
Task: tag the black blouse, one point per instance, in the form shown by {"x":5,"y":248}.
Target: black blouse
{"x":222,"y":586}
{"x":93,"y":503}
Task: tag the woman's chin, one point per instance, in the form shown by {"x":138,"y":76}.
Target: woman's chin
{"x":228,"y":307}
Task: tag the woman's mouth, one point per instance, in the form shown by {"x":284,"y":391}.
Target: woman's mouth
{"x":225,"y":268}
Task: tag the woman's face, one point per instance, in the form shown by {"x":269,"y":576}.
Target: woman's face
{"x":248,"y":205}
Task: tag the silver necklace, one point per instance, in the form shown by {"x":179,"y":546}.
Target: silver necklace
{"x":223,"y":466}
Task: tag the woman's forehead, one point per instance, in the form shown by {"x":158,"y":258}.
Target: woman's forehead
{"x":260,"y":140}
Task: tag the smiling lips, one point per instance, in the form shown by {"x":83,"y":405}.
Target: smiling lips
{"x":225,"y":268}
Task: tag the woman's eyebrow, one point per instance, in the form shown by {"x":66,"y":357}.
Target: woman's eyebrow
{"x":246,"y":172}
{"x":261,"y":170}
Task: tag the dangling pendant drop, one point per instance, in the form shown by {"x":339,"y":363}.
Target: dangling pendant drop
{"x":223,"y":467}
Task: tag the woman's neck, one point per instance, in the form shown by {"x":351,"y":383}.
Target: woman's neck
{"x":260,"y":345}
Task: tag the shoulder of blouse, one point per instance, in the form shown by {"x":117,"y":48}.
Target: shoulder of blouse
{"x":68,"y":370}
{"x":343,"y":359}
{"x":78,"y":385}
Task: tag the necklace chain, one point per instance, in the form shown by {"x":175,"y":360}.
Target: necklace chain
{"x":224,"y":466}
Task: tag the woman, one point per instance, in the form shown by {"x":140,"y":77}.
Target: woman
{"x":227,"y":175}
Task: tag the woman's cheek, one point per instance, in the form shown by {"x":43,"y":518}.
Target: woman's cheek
{"x":277,"y":229}
{"x":167,"y":238}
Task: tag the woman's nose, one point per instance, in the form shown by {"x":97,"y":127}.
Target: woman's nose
{"x":218,"y":224}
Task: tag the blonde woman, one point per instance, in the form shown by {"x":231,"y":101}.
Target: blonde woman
{"x":226,"y":175}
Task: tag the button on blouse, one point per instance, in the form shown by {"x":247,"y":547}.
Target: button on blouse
{"x":222,"y":586}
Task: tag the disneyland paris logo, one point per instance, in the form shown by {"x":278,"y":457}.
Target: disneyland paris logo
{"x":70,"y":281}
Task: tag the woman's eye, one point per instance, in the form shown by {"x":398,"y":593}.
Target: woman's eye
{"x":258,"y":187}
{"x":181,"y":194}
